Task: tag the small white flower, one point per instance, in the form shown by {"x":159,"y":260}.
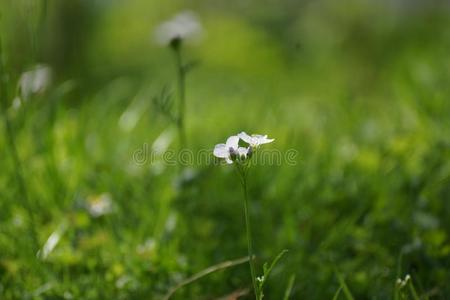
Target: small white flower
{"x":183,"y":26}
{"x":255,"y":139}
{"x":35,"y":80}
{"x":99,"y":205}
{"x":148,"y":246}
{"x":231,"y":150}
{"x":402,"y":283}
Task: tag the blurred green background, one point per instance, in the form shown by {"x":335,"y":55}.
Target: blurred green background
{"x":361,"y":89}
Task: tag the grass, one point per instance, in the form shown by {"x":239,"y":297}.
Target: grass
{"x":361,"y":94}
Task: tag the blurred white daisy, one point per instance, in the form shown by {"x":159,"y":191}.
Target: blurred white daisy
{"x":183,"y":26}
{"x":254,"y":140}
{"x":99,"y":205}
{"x":35,"y":81}
{"x":231,"y":150}
{"x":147,"y":247}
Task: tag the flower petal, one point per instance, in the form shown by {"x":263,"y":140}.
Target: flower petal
{"x":229,"y":161}
{"x":266,"y":141}
{"x":245,"y":137}
{"x":242,"y":151}
{"x":221,"y":151}
{"x":232,"y":142}
{"x":259,"y":139}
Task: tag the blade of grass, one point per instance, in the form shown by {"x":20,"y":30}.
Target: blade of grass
{"x":413,"y":291}
{"x":399,"y":270}
{"x":274,"y":262}
{"x":344,"y":286}
{"x":235,"y":295}
{"x":11,"y":143}
{"x":209,"y":270}
{"x":267,"y":271}
{"x":336,"y":295}
{"x":289,"y":287}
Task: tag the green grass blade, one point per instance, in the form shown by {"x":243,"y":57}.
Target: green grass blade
{"x":289,"y":287}
{"x":344,"y":287}
{"x":413,"y":291}
{"x":274,"y":262}
{"x":399,"y":270}
{"x":338,"y":292}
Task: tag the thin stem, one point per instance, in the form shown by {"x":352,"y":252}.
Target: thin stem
{"x":249,"y":235}
{"x":181,"y":77}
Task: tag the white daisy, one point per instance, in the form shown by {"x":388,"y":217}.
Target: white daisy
{"x":35,"y":81}
{"x":183,"y":26}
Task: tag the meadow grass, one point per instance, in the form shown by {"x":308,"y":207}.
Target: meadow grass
{"x":364,"y":102}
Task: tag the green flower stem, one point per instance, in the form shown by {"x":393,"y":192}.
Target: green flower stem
{"x":181,"y":77}
{"x":249,"y":232}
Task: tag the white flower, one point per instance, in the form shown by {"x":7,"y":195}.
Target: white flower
{"x":183,"y":26}
{"x":35,"y":80}
{"x":99,"y":205}
{"x":402,"y":283}
{"x":231,"y":150}
{"x":255,"y":139}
